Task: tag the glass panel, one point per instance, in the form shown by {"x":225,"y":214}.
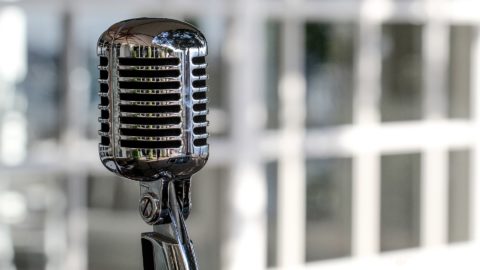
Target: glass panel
{"x":461,"y":39}
{"x":41,"y":85}
{"x":32,"y":217}
{"x":272,"y":212}
{"x":459,"y":193}
{"x":329,"y":72}
{"x":273,"y":48}
{"x":401,"y":98}
{"x":400,"y":201}
{"x":328,"y":201}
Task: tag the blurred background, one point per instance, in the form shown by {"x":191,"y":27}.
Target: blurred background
{"x":344,"y":134}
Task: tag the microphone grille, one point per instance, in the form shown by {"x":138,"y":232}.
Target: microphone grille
{"x":153,"y":97}
{"x":149,"y":92}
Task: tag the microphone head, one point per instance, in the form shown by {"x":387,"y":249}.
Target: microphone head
{"x":153,"y":99}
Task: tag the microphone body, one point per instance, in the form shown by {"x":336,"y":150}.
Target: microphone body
{"x":153,"y":99}
{"x":153,"y":126}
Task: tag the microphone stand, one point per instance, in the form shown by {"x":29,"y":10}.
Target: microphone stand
{"x":162,"y":205}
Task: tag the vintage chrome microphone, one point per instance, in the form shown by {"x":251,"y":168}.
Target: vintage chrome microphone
{"x":153,"y":104}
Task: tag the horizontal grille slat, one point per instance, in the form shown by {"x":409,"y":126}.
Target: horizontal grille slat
{"x":148,"y":61}
{"x":151,"y":68}
{"x":149,"y":127}
{"x":149,"y":103}
{"x":150,"y":144}
{"x":149,"y":109}
{"x":150,"y":121}
{"x":196,"y":113}
{"x":150,"y":132}
{"x":150,"y":91}
{"x":102,"y":120}
{"x":165,"y":73}
{"x":202,"y":124}
{"x":150,"y":85}
{"x":150,"y":115}
{"x":150,"y":97}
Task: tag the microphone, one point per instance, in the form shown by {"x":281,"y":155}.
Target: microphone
{"x":153,"y":125}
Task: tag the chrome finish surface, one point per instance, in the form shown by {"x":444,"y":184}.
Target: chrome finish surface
{"x":169,"y":246}
{"x":153,"y":99}
{"x":158,"y":193}
{"x":153,"y":125}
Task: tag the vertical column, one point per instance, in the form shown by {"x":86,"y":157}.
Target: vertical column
{"x":74,"y":98}
{"x":366,"y":167}
{"x":291,"y":180}
{"x":475,"y":168}
{"x":434,"y":195}
{"x":246,"y":222}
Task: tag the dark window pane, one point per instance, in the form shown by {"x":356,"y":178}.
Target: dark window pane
{"x":401,"y":73}
{"x":461,"y":38}
{"x":205,"y":221}
{"x":272,"y":73}
{"x":329,"y":71}
{"x":41,"y":85}
{"x":272,"y":212}
{"x":328,"y":228}
{"x":400,"y":201}
{"x":459,"y":196}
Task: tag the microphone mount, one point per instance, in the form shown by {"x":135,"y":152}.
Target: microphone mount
{"x":168,"y":246}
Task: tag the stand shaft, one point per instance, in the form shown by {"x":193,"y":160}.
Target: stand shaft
{"x":169,"y":246}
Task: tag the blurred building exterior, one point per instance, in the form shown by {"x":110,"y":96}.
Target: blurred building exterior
{"x":345,"y":134}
